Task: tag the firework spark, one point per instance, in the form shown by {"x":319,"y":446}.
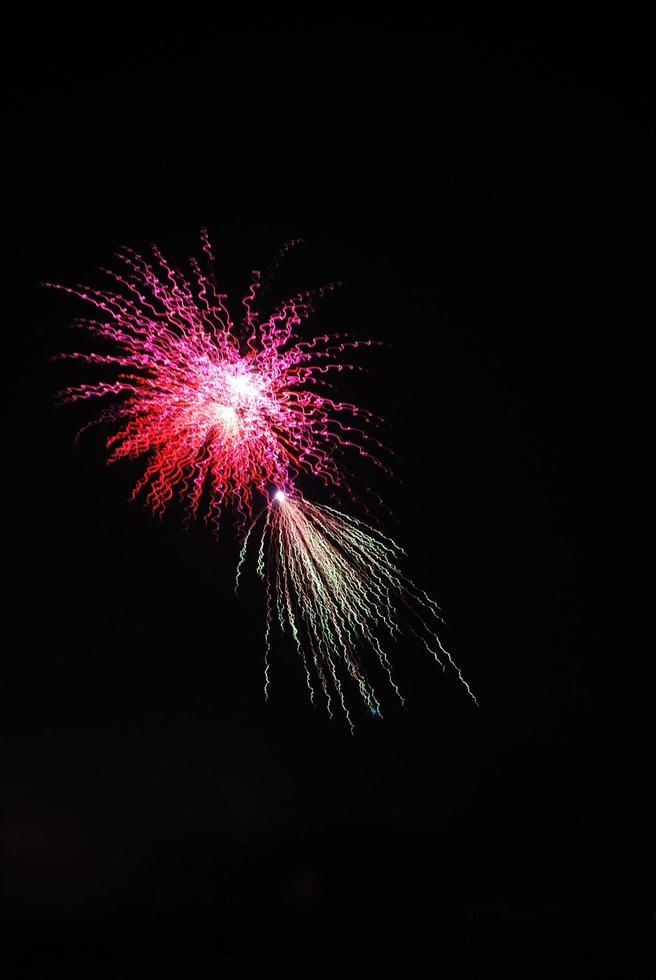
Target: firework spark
{"x":335,"y":584}
{"x":214,"y":408}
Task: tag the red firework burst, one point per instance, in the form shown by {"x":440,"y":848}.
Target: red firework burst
{"x":217,"y":408}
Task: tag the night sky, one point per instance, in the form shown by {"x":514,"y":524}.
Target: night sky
{"x":484,"y":192}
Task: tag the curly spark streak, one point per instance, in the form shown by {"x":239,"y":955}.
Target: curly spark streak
{"x":211,"y":406}
{"x":334,"y":582}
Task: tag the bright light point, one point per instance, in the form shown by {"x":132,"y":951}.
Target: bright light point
{"x":280,"y":496}
{"x":242,"y":384}
{"x":225,"y":414}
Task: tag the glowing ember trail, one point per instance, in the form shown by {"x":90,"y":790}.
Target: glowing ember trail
{"x":213,"y":408}
{"x":335,"y":584}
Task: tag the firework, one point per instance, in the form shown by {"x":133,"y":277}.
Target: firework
{"x":335,"y":585}
{"x":222,"y":412}
{"x":212,"y":407}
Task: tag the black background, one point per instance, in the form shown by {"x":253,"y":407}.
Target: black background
{"x":485,"y":193}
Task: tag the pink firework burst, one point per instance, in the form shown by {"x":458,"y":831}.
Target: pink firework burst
{"x":216,"y":409}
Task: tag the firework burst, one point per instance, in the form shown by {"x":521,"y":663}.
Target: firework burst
{"x":221,"y":413}
{"x":335,"y":585}
{"x":214,"y":408}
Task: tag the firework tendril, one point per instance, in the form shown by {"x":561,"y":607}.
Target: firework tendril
{"x":334,"y":583}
